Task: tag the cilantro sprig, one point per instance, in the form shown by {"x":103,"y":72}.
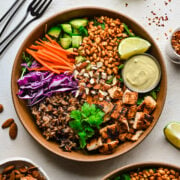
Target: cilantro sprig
{"x":86,"y":121}
{"x":28,"y":60}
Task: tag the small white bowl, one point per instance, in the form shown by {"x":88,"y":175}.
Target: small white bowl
{"x":174,"y":57}
{"x":19,"y":162}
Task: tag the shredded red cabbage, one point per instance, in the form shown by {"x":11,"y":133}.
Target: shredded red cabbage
{"x":36,"y":85}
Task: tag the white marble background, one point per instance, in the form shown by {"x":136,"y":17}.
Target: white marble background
{"x":153,"y":148}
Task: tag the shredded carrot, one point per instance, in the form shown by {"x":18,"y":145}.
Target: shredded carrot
{"x":51,"y":56}
{"x":33,"y":54}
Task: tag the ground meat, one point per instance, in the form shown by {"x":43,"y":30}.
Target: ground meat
{"x":52,"y":116}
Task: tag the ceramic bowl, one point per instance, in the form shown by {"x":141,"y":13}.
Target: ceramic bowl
{"x":174,"y":57}
{"x":134,"y":167}
{"x":23,"y":110}
{"x":19,"y":162}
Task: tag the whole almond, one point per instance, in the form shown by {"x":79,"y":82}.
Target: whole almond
{"x":13,"y":130}
{"x":7,"y":123}
{"x":1,"y":108}
{"x":8,"y":169}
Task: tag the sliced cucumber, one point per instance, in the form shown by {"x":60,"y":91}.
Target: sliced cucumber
{"x":76,"y":41}
{"x":65,"y":42}
{"x":67,"y":28}
{"x":54,"y":31}
{"x":79,"y":59}
{"x":76,"y":23}
{"x":66,"y":35}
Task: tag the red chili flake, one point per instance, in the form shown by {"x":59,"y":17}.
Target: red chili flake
{"x":165,"y":34}
{"x":176,"y":42}
{"x":126,"y":4}
{"x":149,"y":24}
{"x":169,"y":0}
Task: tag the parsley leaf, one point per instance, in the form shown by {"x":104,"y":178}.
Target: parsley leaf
{"x":86,"y":121}
{"x":121,"y":66}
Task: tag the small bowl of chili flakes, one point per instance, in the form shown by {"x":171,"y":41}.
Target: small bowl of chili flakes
{"x":173,"y":48}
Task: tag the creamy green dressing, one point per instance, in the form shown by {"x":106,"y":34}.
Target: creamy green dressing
{"x":141,"y":72}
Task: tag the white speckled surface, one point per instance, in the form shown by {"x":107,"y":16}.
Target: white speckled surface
{"x":153,"y":148}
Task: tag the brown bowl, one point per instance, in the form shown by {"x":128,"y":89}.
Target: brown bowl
{"x":23,"y":111}
{"x":145,"y":165}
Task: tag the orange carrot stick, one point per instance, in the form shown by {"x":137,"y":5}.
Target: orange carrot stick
{"x":33,"y":54}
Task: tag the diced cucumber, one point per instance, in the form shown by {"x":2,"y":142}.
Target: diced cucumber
{"x":66,"y":28}
{"x":76,"y":23}
{"x":76,"y":41}
{"x":66,"y":36}
{"x":79,"y":59}
{"x":75,"y":31}
{"x":54,"y":31}
{"x":65,"y":42}
{"x":70,"y":49}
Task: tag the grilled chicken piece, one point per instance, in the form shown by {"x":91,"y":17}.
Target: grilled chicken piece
{"x":142,"y":120}
{"x":122,"y":137}
{"x":136,"y":136}
{"x":117,"y":109}
{"x":124,"y":121}
{"x":94,"y":144}
{"x":130,"y":97}
{"x":115,"y":92}
{"x":110,"y":131}
{"x":131,"y":112}
{"x":107,"y":148}
{"x":148,"y":105}
{"x":107,"y":107}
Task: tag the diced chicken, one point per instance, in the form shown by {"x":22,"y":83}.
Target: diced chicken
{"x":115,"y":92}
{"x":105,"y":87}
{"x":148,"y":105}
{"x":107,"y":148}
{"x":142,"y":120}
{"x":94,"y":144}
{"x":106,"y":106}
{"x":124,"y":121}
{"x":136,"y":136}
{"x":123,"y":112}
{"x":107,"y":117}
{"x":117,"y":109}
{"x":131,"y":112}
{"x":110,"y":131}
{"x":122,"y":137}
{"x":130,"y":97}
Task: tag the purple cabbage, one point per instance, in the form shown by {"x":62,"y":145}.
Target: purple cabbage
{"x":35,"y":86}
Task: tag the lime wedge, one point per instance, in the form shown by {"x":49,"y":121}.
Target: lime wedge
{"x":172,"y":133}
{"x":131,"y":46}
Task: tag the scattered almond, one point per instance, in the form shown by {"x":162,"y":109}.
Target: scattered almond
{"x":13,"y":131}
{"x":1,"y":108}
{"x":7,"y":123}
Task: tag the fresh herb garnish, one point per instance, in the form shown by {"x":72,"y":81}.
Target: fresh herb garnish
{"x":109,"y":81}
{"x":28,"y":60}
{"x":96,"y":23}
{"x":140,"y":100}
{"x":85,"y":121}
{"x":121,"y":80}
{"x":127,"y":30}
{"x":121,"y":66}
{"x":83,"y":31}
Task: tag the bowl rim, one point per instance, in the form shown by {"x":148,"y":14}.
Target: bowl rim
{"x":23,"y":159}
{"x":140,"y":164}
{"x":14,"y":94}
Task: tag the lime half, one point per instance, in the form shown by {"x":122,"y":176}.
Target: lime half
{"x":172,"y":133}
{"x":131,"y":46}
